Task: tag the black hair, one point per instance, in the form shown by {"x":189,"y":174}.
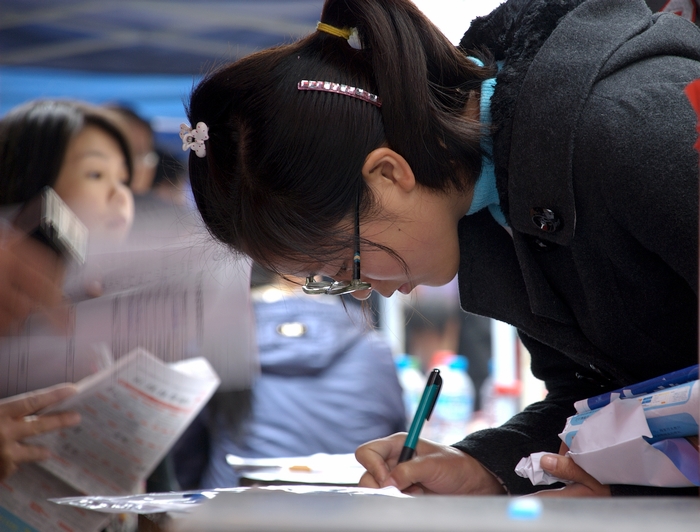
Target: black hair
{"x":129,"y":114}
{"x":169,"y":170}
{"x":34,"y":138}
{"x":282,"y":169}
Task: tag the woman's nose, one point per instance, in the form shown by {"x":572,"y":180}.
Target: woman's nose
{"x":120,"y":194}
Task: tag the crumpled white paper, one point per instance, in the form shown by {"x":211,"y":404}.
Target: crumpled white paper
{"x":529,"y":467}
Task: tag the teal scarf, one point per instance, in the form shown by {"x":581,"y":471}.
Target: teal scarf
{"x":485,"y":193}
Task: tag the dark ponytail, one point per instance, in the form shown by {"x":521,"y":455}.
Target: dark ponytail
{"x":425,"y":82}
{"x":283,"y":167}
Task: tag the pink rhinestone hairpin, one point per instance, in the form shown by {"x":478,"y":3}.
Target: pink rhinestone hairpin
{"x":339,"y":88}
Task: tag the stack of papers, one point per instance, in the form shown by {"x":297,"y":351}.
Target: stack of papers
{"x":321,"y":468}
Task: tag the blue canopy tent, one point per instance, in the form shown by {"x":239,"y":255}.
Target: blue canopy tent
{"x":145,"y":54}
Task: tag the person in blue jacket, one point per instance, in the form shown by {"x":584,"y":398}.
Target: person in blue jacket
{"x":327,"y":384}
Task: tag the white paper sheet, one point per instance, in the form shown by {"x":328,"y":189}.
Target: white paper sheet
{"x":24,"y":503}
{"x":186,"y":501}
{"x":320,"y":468}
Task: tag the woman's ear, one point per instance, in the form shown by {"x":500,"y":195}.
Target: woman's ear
{"x":385,"y":168}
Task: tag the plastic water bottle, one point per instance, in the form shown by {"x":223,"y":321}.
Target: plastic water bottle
{"x":412,"y":382}
{"x":499,"y":402}
{"x":455,"y":404}
{"x":487,"y":395}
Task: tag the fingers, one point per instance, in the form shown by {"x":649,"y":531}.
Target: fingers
{"x":378,"y":457}
{"x":16,"y":425}
{"x":565,"y":468}
{"x":7,"y":465}
{"x":408,"y":475}
{"x":434,"y":469}
{"x":35,"y":425}
{"x":13,"y":453}
{"x":30,"y":453}
{"x":30,"y":403}
{"x":368,"y":481}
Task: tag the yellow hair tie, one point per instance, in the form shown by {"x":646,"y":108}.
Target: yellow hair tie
{"x":338,"y":32}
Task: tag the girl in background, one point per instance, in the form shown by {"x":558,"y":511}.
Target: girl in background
{"x":81,"y":152}
{"x":77,"y":149}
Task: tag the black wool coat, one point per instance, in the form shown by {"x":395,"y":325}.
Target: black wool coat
{"x":598,"y":180}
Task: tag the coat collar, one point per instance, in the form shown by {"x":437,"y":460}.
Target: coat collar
{"x":540,"y":43}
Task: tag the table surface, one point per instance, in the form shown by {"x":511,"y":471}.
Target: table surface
{"x":286,"y":512}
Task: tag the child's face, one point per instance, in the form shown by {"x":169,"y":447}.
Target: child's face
{"x":92,"y":182}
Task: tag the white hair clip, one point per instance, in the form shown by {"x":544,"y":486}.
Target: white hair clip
{"x":354,"y":39}
{"x":194,"y":138}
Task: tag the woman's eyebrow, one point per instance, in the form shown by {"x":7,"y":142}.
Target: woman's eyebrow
{"x":343,"y":268}
{"x":92,"y":153}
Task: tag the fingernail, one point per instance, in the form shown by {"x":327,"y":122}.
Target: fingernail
{"x":74,"y":418}
{"x":389,"y":482}
{"x":548,"y":462}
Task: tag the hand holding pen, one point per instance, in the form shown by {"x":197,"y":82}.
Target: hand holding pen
{"x":437,"y":468}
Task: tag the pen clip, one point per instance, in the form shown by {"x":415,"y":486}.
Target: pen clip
{"x":434,"y":380}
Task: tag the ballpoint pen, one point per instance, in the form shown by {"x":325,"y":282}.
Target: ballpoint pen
{"x":425,"y":408}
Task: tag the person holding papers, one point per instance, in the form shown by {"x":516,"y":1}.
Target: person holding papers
{"x":17,"y":422}
{"x":548,"y":161}
{"x":328,"y":383}
{"x":81,"y":152}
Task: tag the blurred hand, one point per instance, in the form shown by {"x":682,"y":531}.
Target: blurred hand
{"x":435,"y":468}
{"x":15,"y":426}
{"x":31,"y":278}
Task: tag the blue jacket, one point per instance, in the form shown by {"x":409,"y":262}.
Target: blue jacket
{"x":328,"y":390}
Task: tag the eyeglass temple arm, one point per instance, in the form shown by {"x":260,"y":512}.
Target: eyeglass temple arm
{"x":356,"y":256}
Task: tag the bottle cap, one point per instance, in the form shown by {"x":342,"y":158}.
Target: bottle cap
{"x":443,"y":357}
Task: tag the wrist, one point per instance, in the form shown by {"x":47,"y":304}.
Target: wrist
{"x":492,"y":484}
{"x":482,"y":481}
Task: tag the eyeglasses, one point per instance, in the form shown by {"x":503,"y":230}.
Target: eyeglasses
{"x":313,"y":287}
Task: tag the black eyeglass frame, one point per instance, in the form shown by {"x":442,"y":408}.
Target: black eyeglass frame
{"x":313,"y":287}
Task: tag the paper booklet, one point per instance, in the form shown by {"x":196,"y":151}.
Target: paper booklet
{"x":131,"y":415}
{"x":179,"y":299}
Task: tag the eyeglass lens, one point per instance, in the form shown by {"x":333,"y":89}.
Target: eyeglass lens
{"x":312,"y":286}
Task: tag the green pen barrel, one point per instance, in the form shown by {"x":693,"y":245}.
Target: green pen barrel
{"x":422,"y":413}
